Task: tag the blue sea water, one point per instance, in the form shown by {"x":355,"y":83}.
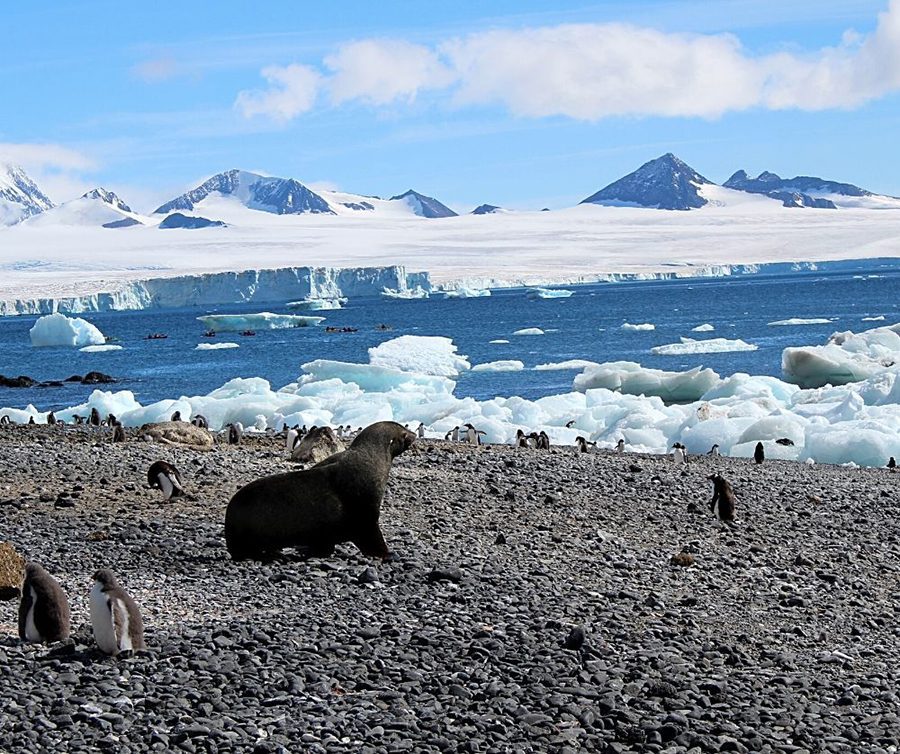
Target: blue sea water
{"x":585,"y":326}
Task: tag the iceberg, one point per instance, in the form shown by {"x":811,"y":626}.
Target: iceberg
{"x":215,"y":346}
{"x":631,"y":378}
{"x":316,"y":304}
{"x":100,"y":349}
{"x":499,"y":366}
{"x":529,"y":331}
{"x":467,"y":293}
{"x":703,"y":328}
{"x":879,"y":318}
{"x":259,"y":321}
{"x":406,"y":293}
{"x":640,"y":327}
{"x":60,"y":330}
{"x":420,"y":354}
{"x":713,"y":345}
{"x":498,"y":341}
{"x":846,"y":357}
{"x":570,"y":364}
{"x":788,"y":322}
{"x":535,"y":293}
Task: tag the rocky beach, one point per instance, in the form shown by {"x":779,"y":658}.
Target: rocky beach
{"x":532,"y":605}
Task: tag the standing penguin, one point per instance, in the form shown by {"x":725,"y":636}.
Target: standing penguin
{"x":118,"y":434}
{"x":291,"y":439}
{"x":722,"y":503}
{"x":454,"y":434}
{"x":620,"y":446}
{"x":891,"y":464}
{"x":200,"y":421}
{"x":521,"y":440}
{"x":176,"y":417}
{"x":759,"y":455}
{"x":94,"y":419}
{"x":44,"y":609}
{"x":164,"y":476}
{"x":420,"y":430}
{"x":115,"y":616}
{"x":678,"y":454}
{"x":714,"y":450}
{"x":543,"y":441}
{"x":471,"y":434}
{"x":51,"y":418}
{"x":235,"y":433}
{"x":583,"y":445}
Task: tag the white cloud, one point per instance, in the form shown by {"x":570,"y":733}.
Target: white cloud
{"x":157,"y":70}
{"x":293,"y":90}
{"x":381,"y":71}
{"x":594,"y":71}
{"x":44,"y":156}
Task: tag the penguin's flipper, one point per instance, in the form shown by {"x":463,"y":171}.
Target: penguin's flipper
{"x":24,"y":606}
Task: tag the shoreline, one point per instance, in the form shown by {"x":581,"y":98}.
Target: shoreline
{"x":790,"y":611}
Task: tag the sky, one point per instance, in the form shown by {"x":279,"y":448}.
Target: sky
{"x":518,"y":103}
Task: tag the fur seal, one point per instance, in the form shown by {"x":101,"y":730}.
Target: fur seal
{"x":176,"y":433}
{"x":759,"y":455}
{"x":115,"y":616}
{"x":337,"y":500}
{"x":164,"y":476}
{"x":235,"y":433}
{"x":723,"y":497}
{"x":44,"y":608}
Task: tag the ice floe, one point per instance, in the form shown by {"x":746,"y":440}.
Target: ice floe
{"x":467,"y":293}
{"x":406,"y":293}
{"x":510,"y":365}
{"x":529,"y":331}
{"x":796,"y":321}
{"x":703,"y":328}
{"x":713,"y":345}
{"x":258,"y":321}
{"x":535,"y":293}
{"x":316,"y":304}
{"x":568,"y":364}
{"x":100,"y":349}
{"x":879,"y":318}
{"x":215,"y":346}
{"x":643,"y":326}
{"x":498,"y":341}
{"x":421,"y":354}
{"x":59,"y":330}
{"x":633,"y":379}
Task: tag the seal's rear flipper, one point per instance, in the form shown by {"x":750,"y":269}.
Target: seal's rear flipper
{"x":372,"y":544}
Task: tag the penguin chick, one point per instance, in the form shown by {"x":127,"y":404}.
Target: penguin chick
{"x":44,"y":609}
{"x":722,"y":503}
{"x":164,"y":476}
{"x":115,"y":616}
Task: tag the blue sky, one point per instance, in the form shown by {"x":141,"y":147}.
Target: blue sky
{"x":521,"y":104}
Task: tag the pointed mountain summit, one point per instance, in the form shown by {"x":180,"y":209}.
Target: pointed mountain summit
{"x":806,"y":190}
{"x":19,"y":196}
{"x":107,"y":197}
{"x":663,"y":183}
{"x":280,"y":196}
{"x":97,"y":208}
{"x":424,"y":206}
{"x":486,"y":209}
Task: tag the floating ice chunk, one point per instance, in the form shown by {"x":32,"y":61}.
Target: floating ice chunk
{"x":714,"y":345}
{"x":420,"y":354}
{"x":633,"y":379}
{"x":499,"y":366}
{"x":534,"y":293}
{"x":316,"y":304}
{"x":407,"y":293}
{"x":100,"y":349}
{"x":215,"y":346}
{"x":796,"y":321}
{"x":467,"y":293}
{"x":59,"y":330}
{"x":644,"y":326}
{"x":260,"y":321}
{"x":570,"y":364}
{"x":529,"y":331}
{"x":703,"y":328}
{"x":879,"y":318}
{"x":368,"y":377}
{"x":846,"y":357}
{"x":500,"y":340}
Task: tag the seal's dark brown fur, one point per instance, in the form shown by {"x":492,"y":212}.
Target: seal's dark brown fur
{"x":337,"y":500}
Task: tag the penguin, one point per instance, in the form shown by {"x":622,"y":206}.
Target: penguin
{"x":447,"y":435}
{"x":165,"y":476}
{"x":759,"y":455}
{"x":543,"y":441}
{"x":714,"y":450}
{"x":722,"y":503}
{"x":471,"y":434}
{"x":291,"y":440}
{"x":5,"y":419}
{"x":77,"y":419}
{"x":678,"y":455}
{"x":44,"y":609}
{"x":115,"y":616}
{"x":94,"y":420}
{"x":235,"y":433}
{"x":118,"y":434}
{"x":620,"y":446}
{"x":891,"y":464}
{"x":51,"y":418}
{"x":420,"y":430}
{"x":454,"y":434}
{"x":111,"y":420}
{"x":479,"y":433}
{"x":784,"y":441}
{"x":521,"y":440}
{"x":570,"y":424}
{"x":176,"y":417}
{"x":200,"y":421}
{"x":583,"y":445}
{"x":31,"y":420}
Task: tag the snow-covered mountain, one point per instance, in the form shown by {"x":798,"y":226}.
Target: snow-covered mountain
{"x":663,"y":183}
{"x":487,"y":209}
{"x":280,"y":196}
{"x":98,"y":207}
{"x":810,"y":191}
{"x":19,"y":196}
{"x":424,"y":206}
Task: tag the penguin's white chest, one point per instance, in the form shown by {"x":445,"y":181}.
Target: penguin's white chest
{"x":679,"y":455}
{"x":31,"y":633}
{"x":103,"y":622}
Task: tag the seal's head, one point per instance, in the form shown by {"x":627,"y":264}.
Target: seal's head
{"x":390,"y":435}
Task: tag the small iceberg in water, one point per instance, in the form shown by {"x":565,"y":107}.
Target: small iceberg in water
{"x":316,"y":304}
{"x":260,"y":321}
{"x":510,"y":365}
{"x":535,"y":293}
{"x":644,"y":326}
{"x":100,"y":349}
{"x":529,"y":331}
{"x":703,"y":328}
{"x":467,"y":293}
{"x":59,"y":330}
{"x":215,"y":346}
{"x":408,"y":293}
{"x":796,"y":321}
{"x":715,"y":345}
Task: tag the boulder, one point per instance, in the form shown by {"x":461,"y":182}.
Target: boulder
{"x":12,"y":572}
{"x":177,"y":433}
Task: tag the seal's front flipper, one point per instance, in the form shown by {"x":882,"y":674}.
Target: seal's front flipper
{"x":371,"y":543}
